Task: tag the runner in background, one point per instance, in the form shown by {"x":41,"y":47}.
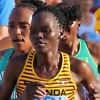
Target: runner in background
{"x":76,"y":47}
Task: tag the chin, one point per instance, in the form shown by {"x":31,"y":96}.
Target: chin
{"x":17,"y":48}
{"x":43,"y":51}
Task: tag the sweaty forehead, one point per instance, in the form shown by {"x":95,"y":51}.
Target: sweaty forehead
{"x":44,"y":18}
{"x":21,"y":13}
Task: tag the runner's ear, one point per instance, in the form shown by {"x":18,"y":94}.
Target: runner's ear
{"x":61,"y":35}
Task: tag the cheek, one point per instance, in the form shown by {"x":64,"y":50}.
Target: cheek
{"x":27,"y":37}
{"x":73,"y":31}
{"x":11,"y":33}
{"x":74,"y":28}
{"x":25,"y":31}
{"x":53,"y":41}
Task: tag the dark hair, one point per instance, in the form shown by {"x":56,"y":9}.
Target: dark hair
{"x":31,"y":4}
{"x":59,"y":14}
{"x":74,"y":12}
{"x":64,"y":15}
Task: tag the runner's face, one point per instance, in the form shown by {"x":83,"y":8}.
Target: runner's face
{"x":70,"y":36}
{"x":45,"y":32}
{"x":19,"y":28}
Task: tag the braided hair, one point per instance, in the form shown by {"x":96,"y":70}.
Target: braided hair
{"x":64,"y":15}
{"x":73,"y":11}
{"x":73,"y":14}
{"x":58,"y":13}
{"x":31,"y":4}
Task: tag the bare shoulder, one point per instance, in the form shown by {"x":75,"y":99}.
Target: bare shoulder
{"x":18,"y":59}
{"x":77,"y":65}
{"x":16,"y":65}
{"x":94,"y":49}
{"x":81,"y":69}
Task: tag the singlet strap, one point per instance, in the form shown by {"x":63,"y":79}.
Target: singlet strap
{"x":84,"y":55}
{"x":5,"y":59}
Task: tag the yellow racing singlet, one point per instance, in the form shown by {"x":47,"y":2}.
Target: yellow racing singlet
{"x":60,"y":85}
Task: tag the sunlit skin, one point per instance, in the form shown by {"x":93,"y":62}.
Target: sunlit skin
{"x":45,"y":35}
{"x":70,"y":44}
{"x":19,"y":30}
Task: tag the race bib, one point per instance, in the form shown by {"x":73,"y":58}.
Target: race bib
{"x":53,"y":98}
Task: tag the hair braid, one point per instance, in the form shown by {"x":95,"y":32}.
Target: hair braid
{"x":59,"y":14}
{"x":72,"y":13}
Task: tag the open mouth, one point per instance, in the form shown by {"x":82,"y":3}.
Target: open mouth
{"x":18,"y":40}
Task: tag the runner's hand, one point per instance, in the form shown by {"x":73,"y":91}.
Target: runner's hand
{"x":94,"y":93}
{"x":34,"y":90}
